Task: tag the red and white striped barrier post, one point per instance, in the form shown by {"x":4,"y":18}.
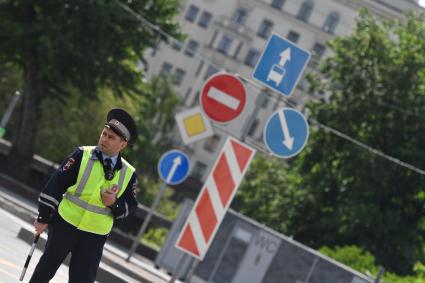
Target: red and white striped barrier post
{"x":215,"y":198}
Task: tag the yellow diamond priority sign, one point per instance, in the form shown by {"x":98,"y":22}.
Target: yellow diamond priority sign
{"x":193,"y":125}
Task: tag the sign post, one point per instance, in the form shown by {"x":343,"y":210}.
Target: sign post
{"x":215,"y":198}
{"x":8,"y":113}
{"x":223,"y":97}
{"x":173,"y":168}
{"x":178,"y":267}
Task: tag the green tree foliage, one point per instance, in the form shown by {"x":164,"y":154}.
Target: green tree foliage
{"x":84,"y":118}
{"x":80,"y":123}
{"x":364,"y":261}
{"x":84,"y":45}
{"x":156,"y":121}
{"x":376,"y":79}
{"x":352,"y":256}
{"x":269,"y":194}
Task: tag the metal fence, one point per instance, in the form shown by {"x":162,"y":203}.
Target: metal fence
{"x":246,"y":251}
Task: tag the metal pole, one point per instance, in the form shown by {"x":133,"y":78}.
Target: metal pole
{"x":379,"y":275}
{"x":192,"y":269}
{"x":221,"y":255}
{"x":8,"y":113}
{"x":260,"y":99}
{"x":10,"y":109}
{"x":146,"y":221}
{"x":178,"y":267}
{"x":311,"y":270}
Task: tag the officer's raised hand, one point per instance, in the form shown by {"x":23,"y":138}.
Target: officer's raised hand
{"x":108,"y":197}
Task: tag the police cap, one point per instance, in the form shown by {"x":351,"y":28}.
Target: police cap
{"x":122,"y":124}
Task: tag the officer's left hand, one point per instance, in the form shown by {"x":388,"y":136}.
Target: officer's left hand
{"x":108,"y":197}
{"x":39,"y":227}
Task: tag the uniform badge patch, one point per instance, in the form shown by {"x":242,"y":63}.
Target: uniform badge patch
{"x":68,"y":164}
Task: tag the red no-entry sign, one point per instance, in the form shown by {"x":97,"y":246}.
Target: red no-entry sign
{"x":223,"y":97}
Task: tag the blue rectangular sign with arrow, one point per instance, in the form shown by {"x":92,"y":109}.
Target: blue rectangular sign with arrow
{"x":281,"y":65}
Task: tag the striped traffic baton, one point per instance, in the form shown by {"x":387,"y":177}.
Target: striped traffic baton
{"x":27,"y":262}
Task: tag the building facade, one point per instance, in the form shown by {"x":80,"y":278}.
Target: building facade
{"x":229,"y":35}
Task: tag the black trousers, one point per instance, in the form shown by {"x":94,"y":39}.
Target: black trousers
{"x":86,"y":251}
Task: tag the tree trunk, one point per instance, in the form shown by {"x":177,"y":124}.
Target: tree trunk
{"x":21,"y":154}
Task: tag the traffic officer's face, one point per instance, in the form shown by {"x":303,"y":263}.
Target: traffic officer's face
{"x":110,"y":143}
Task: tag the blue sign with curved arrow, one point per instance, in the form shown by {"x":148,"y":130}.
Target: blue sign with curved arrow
{"x":286,"y":133}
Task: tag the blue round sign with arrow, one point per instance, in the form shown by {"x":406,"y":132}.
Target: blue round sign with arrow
{"x":173,"y":167}
{"x":286,"y":132}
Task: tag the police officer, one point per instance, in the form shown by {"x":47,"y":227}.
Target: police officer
{"x":92,"y":187}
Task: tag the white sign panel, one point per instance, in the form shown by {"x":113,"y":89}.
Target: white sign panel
{"x":193,"y":125}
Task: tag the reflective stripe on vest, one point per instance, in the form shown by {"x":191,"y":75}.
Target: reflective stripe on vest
{"x":76,"y":197}
{"x":87,"y":206}
{"x":81,"y":205}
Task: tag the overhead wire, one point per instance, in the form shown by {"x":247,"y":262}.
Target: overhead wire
{"x":314,"y":121}
{"x":359,"y":143}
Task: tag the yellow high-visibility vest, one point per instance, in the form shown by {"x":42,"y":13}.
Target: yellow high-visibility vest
{"x":81,"y":205}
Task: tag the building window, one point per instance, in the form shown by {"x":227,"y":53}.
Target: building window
{"x":265,"y":101}
{"x":253,"y":128}
{"x":318,"y":50}
{"x":194,"y":100}
{"x":176,"y":45}
{"x":213,"y":38}
{"x":212,"y":143}
{"x":317,"y":53}
{"x":191,"y":13}
{"x":265,"y":29}
{"x":166,"y":69}
{"x":252,"y":57}
{"x":262,"y":99}
{"x":191,"y":48}
{"x":238,"y":50}
{"x":179,"y":76}
{"x":239,"y":16}
{"x":205,"y":19}
{"x":199,"y":170}
{"x":293,"y":36}
{"x":199,"y":69}
{"x":186,"y":96}
{"x":224,"y":44}
{"x":331,"y":22}
{"x":277,"y":4}
{"x":305,"y":10}
{"x":210,"y":71}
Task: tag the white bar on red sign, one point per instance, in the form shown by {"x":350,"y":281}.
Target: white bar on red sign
{"x":223,"y":98}
{"x":215,"y":198}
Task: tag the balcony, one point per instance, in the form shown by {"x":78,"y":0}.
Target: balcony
{"x":241,"y":30}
